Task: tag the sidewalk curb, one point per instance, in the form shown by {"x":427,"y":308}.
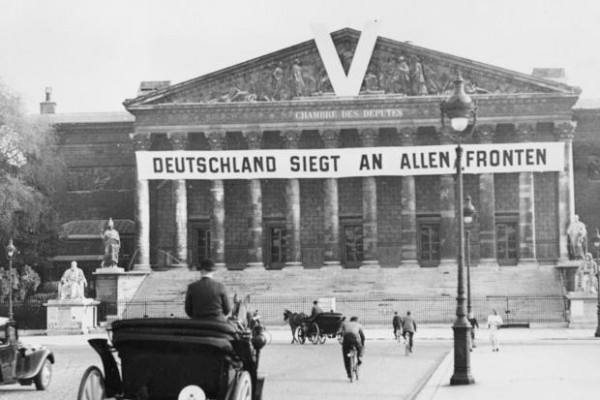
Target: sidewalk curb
{"x":430,"y":376}
{"x":427,"y":389}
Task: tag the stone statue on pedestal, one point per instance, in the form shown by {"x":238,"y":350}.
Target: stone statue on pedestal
{"x":577,"y":236}
{"x":112,"y":245}
{"x":72,"y":283}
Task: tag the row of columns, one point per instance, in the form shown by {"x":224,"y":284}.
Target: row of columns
{"x":331,"y":252}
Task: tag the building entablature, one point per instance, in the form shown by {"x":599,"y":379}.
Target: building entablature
{"x":377,"y":111}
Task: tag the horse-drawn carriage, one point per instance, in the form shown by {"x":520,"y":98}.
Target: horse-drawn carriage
{"x":173,"y":358}
{"x":323,"y":326}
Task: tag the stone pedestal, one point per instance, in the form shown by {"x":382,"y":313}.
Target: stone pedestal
{"x":73,"y":316}
{"x":115,"y":287}
{"x":584,"y":310}
{"x":568,"y":270}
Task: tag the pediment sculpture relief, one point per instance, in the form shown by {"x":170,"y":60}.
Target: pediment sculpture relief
{"x":303,"y":75}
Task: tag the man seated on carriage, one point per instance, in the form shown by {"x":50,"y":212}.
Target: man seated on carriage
{"x":208,"y":299}
{"x":353,"y":336}
{"x":315,"y":311}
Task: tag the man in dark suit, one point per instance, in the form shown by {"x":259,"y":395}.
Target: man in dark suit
{"x":207,"y":298}
{"x":397,"y":324}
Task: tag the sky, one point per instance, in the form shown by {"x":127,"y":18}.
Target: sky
{"x":94,"y":54}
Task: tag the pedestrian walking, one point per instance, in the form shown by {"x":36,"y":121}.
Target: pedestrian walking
{"x":494,"y":322}
{"x":474,"y":326}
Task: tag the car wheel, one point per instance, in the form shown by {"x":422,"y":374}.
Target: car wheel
{"x":92,"y":385}
{"x":43,"y":378}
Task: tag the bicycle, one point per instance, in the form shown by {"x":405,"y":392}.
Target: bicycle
{"x":353,"y":355}
{"x":406,"y":342}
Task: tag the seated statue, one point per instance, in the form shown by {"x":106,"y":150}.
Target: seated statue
{"x":72,"y":283}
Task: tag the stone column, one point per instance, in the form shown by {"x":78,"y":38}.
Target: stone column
{"x":408,"y":213}
{"x":216,"y":140}
{"x":255,"y":217}
{"x":368,"y":137}
{"x":486,"y":210}
{"x":331,"y":209}
{"x":527,"y":251}
{"x":566,"y":190}
{"x":292,"y":208}
{"x":448,"y":213}
{"x":179,"y":142}
{"x":142,"y":142}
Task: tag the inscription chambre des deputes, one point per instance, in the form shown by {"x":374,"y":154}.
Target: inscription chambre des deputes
{"x":319,"y":163}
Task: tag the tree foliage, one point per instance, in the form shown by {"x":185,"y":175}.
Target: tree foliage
{"x":32,"y":173}
{"x":24,"y":283}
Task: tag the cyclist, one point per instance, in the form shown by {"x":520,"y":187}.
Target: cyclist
{"x":397,"y":325}
{"x":409,"y":327}
{"x":353,"y":337}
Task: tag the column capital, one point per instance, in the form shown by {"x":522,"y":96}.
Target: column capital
{"x":485,"y":133}
{"x":141,"y":141}
{"x":291,"y":138}
{"x":179,"y":140}
{"x":368,"y":136}
{"x":407,"y":135}
{"x":525,"y":131}
{"x":253,"y":138}
{"x":330,"y":138}
{"x":565,"y":130}
{"x":216,"y":139}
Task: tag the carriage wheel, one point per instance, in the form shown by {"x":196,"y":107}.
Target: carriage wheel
{"x":243,"y":387}
{"x":322,"y":339}
{"x":92,"y":385}
{"x":313,"y":333}
{"x":301,"y":335}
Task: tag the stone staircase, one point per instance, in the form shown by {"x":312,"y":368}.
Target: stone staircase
{"x":524,"y":295}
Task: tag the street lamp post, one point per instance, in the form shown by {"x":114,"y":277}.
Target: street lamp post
{"x":597,"y":246}
{"x":10,"y":251}
{"x":460,"y":109}
{"x":468,"y":216}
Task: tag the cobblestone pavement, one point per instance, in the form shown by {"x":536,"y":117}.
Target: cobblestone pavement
{"x":294,"y":371}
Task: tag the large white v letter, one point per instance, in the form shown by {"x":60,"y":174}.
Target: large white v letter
{"x":346,"y":85}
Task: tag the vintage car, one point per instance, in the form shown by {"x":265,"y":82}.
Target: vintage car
{"x":22,"y":364}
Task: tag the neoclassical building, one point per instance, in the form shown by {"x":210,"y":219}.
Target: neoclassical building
{"x":265,"y":165}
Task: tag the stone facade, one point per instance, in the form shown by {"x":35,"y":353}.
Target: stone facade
{"x":349,"y":222}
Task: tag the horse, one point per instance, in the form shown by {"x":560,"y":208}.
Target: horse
{"x":240,"y":314}
{"x":295,"y":320}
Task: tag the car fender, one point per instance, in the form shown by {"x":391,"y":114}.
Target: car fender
{"x":32,"y":361}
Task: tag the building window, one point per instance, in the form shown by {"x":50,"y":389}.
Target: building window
{"x":352,"y":238}
{"x":507,"y":242}
{"x":277,"y":246}
{"x":429,"y":242}
{"x":201,"y":244}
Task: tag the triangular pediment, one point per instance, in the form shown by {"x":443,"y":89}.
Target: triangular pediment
{"x":395,"y":69}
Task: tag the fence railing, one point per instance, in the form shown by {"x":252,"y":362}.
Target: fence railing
{"x":371,"y":309}
{"x":29,"y":314}
{"x":376,"y":310}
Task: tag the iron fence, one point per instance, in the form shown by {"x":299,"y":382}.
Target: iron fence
{"x":29,"y":314}
{"x":375,"y":310}
{"x":371,"y":309}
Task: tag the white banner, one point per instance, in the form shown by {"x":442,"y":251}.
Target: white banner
{"x":349,"y":162}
